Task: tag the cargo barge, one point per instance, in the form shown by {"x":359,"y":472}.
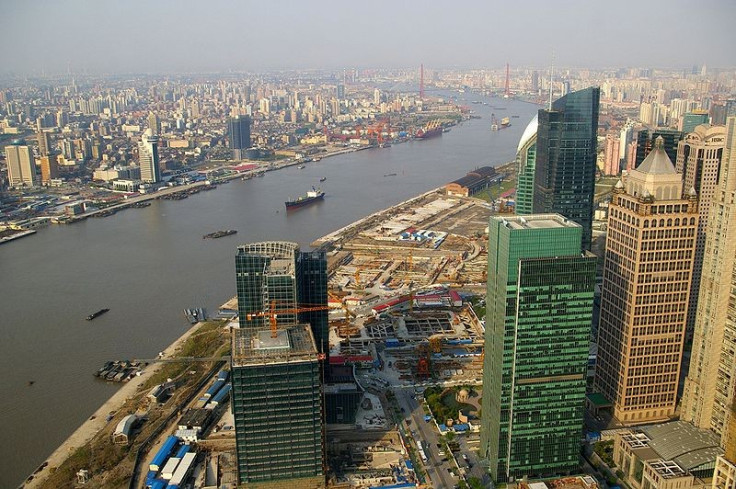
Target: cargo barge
{"x":96,"y":314}
{"x":312,"y":196}
{"x":220,"y":234}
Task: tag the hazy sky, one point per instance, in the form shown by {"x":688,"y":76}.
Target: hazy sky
{"x":200,"y":35}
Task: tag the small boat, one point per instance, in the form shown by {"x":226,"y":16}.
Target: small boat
{"x":97,"y":314}
{"x":220,"y":234}
{"x":323,"y":179}
{"x":389,"y":175}
{"x":301,"y":167}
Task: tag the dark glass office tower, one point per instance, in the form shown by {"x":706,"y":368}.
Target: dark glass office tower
{"x":645,"y":142}
{"x":312,"y":292}
{"x":538,"y":323}
{"x":277,"y":374}
{"x":278,"y":408}
{"x":238,"y":129}
{"x":566,"y":158}
{"x":276,"y":275}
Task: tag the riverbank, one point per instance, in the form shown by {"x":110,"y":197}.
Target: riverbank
{"x":87,"y":431}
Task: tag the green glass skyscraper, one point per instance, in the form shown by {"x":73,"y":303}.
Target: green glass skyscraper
{"x":538,"y":323}
{"x":526,"y":159}
{"x":277,"y":374}
{"x":564,"y":180}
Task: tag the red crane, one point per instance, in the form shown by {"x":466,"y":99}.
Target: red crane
{"x":421,"y":82}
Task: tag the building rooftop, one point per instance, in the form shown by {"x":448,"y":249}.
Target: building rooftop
{"x":667,"y":469}
{"x":291,"y":344}
{"x":538,"y":221}
{"x":683,"y":443}
{"x":657,"y":162}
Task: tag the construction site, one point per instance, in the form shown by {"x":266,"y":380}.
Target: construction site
{"x":399,"y":282}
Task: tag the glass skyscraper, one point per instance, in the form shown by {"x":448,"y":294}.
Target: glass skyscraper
{"x":239,"y":134}
{"x":526,"y":159}
{"x":277,"y":374}
{"x":564,"y":180}
{"x":645,"y":143}
{"x":538,"y":324}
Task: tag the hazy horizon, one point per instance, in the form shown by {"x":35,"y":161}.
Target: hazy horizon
{"x":186,"y":36}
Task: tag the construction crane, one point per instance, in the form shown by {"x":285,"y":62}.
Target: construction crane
{"x":272,"y":314}
{"x":345,"y":308}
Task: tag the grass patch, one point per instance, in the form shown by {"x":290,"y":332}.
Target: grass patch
{"x":443,"y":403}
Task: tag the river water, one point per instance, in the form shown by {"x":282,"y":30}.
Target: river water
{"x":147,"y":265}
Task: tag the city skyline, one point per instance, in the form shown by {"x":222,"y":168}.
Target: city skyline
{"x":166,"y":37}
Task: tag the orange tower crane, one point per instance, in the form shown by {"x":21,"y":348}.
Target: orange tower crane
{"x":272,"y":314}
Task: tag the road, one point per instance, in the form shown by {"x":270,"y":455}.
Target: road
{"x":437,"y":470}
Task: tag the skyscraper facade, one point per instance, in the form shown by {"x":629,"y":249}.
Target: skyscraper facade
{"x":645,"y":142}
{"x":239,"y":134}
{"x":691,"y":120}
{"x":44,"y":143}
{"x":276,"y":275}
{"x":724,"y":475}
{"x":148,"y":159}
{"x":710,"y":386}
{"x":21,"y":165}
{"x":566,"y":158}
{"x":650,"y":247}
{"x":276,"y":366}
{"x":312,"y":293}
{"x":49,"y":168}
{"x":526,"y":157}
{"x":699,"y":158}
{"x":277,"y":406}
{"x":613,"y":156}
{"x":538,"y":324}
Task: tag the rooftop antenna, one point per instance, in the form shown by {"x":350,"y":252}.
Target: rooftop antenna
{"x":551,"y":73}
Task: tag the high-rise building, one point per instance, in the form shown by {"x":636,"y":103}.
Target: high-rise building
{"x":526,"y":157}
{"x":612,"y":155}
{"x":538,"y":326}
{"x":275,"y":274}
{"x":340,"y":91}
{"x":645,"y":142}
{"x":312,"y":293}
{"x":239,"y":135}
{"x":691,"y":120}
{"x":699,"y":158}
{"x":148,"y":158}
{"x":535,"y":82}
{"x":277,"y":406}
{"x":154,"y":124}
{"x":709,"y":386}
{"x":49,"y":168}
{"x":650,"y":247}
{"x":626,"y":136}
{"x":724,"y":475}
{"x":21,"y":165}
{"x":564,"y":180}
{"x":277,"y":365}
{"x":44,"y":143}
